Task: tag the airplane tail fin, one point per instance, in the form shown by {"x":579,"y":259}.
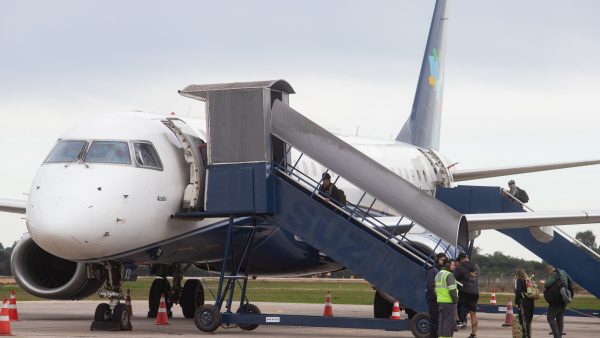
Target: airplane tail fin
{"x":423,"y":126}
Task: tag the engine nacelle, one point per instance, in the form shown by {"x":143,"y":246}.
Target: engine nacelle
{"x":47,"y":276}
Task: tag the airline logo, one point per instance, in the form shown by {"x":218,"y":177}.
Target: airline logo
{"x":434,"y":71}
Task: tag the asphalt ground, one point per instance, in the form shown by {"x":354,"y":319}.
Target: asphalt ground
{"x":73,"y":319}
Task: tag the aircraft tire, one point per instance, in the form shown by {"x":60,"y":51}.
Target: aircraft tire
{"x":252,"y":310}
{"x":382,"y":308}
{"x":102,"y":313}
{"x":159,"y":285}
{"x":207,"y":318}
{"x":121,"y":316}
{"x":192,"y":297}
{"x":420,"y":325}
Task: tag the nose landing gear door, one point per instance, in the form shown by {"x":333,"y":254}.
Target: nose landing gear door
{"x":194,"y":151}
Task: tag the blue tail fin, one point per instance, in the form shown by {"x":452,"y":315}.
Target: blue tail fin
{"x":423,"y":127}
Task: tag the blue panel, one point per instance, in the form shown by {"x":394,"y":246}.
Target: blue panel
{"x":559,"y":252}
{"x":350,"y":244}
{"x":238,"y":189}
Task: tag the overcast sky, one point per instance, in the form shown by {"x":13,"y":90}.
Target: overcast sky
{"x":522,"y":77}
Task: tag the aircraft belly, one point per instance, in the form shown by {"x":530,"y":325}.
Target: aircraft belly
{"x":276,"y":252}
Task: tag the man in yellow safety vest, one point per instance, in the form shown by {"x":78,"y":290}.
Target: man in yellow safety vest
{"x":447,"y":297}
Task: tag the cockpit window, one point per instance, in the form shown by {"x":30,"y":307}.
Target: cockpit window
{"x":108,"y":152}
{"x":66,"y":151}
{"x":146,"y":156}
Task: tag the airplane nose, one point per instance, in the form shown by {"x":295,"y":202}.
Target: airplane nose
{"x":59,"y":224}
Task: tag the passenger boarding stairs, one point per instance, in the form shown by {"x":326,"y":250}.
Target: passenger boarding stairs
{"x":251,"y":173}
{"x":373,"y":247}
{"x":561,"y":250}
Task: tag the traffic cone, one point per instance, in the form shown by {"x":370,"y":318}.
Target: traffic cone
{"x":161,"y":316}
{"x":4,"y":321}
{"x":328,"y":310}
{"x":12,"y":307}
{"x":493,"y":298}
{"x":509,"y":314}
{"x":395,"y":311}
{"x":128,"y":303}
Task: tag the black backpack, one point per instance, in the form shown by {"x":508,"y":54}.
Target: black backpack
{"x":552,"y":294}
{"x":523,"y":197}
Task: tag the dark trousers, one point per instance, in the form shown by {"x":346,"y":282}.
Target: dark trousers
{"x":447,"y":320}
{"x":526,"y":316}
{"x":434,"y":317}
{"x":556,"y":317}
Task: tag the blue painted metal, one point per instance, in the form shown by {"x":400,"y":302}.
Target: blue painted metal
{"x":541,"y":311}
{"x":241,"y":188}
{"x":560,"y":252}
{"x":349,"y":242}
{"x":315,"y":321}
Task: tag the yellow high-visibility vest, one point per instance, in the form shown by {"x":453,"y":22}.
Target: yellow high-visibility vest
{"x":442,"y":289}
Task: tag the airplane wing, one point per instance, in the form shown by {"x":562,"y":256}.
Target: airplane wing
{"x":14,"y":206}
{"x":530,"y":219}
{"x":465,"y":175}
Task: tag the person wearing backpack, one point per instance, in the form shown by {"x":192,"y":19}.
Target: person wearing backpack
{"x":524,"y":301}
{"x":516,"y":192}
{"x":558,"y":291}
{"x":329,"y":190}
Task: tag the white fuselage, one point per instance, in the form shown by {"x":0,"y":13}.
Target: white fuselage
{"x":86,"y":211}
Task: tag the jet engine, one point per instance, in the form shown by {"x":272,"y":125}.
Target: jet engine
{"x":47,"y":276}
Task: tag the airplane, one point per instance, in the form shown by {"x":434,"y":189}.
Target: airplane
{"x":103,"y":201}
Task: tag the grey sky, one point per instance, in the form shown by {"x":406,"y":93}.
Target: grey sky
{"x":521,"y":76}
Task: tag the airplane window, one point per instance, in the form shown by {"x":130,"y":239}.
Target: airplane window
{"x":419,"y":175}
{"x":108,"y":152}
{"x":146,"y":156}
{"x":66,"y":151}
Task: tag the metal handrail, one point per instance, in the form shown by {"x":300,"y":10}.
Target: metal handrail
{"x":356,"y":212}
{"x":557,"y":229}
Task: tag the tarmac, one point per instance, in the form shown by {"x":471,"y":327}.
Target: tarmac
{"x":73,"y":319}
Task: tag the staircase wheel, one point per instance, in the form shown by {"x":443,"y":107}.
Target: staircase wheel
{"x":250,"y":309}
{"x":420,"y":325}
{"x":207,"y":318}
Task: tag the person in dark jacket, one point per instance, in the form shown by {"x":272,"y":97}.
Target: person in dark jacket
{"x":556,"y":310}
{"x":516,"y":192}
{"x":430,"y":295}
{"x":467,"y":274}
{"x":524,"y":305}
{"x":329,"y":190}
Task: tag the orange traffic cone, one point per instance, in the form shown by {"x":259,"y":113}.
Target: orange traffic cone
{"x":128,"y":303}
{"x":509,"y":314}
{"x":12,"y":307}
{"x":4,"y":321}
{"x":493,"y":298}
{"x":161,"y":317}
{"x":328,"y":310}
{"x":395,"y":311}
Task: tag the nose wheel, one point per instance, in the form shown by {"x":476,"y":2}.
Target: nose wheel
{"x":107,"y":319}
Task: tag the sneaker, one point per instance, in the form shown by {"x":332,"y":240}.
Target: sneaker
{"x":472,"y":336}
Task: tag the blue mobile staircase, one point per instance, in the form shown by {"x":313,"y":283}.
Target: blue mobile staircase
{"x":257,"y":176}
{"x":562,"y":251}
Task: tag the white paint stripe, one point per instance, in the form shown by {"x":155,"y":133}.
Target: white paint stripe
{"x":4,"y":319}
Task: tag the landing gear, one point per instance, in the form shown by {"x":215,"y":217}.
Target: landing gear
{"x":192,"y":297}
{"x":159,"y":286}
{"x":112,"y":316}
{"x":382,"y":308}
